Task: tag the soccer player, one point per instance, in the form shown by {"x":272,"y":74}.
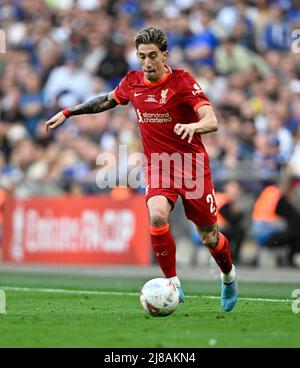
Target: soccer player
{"x":172,"y":113}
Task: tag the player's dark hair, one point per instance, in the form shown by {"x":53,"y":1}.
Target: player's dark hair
{"x":152,"y":36}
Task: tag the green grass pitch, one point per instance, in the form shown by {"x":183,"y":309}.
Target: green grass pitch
{"x":90,"y":311}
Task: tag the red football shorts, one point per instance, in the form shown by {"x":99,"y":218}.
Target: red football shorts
{"x":199,"y":204}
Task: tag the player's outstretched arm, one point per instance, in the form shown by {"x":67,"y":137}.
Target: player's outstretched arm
{"x":97,"y":104}
{"x":207,"y":124}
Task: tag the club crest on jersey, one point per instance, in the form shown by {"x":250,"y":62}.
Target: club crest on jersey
{"x":163,"y":96}
{"x":197,"y":89}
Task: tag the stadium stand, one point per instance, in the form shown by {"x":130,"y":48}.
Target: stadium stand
{"x":63,"y":52}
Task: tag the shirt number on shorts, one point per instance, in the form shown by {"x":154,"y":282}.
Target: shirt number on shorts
{"x":211,"y":200}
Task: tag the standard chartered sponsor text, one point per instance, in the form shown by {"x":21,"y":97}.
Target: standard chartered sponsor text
{"x":156,"y":117}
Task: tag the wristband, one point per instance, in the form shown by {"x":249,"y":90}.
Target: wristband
{"x":67,"y":112}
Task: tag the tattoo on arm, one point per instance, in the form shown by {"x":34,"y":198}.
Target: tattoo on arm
{"x":97,"y":104}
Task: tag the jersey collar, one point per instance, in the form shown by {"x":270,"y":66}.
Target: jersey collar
{"x":169,"y":72}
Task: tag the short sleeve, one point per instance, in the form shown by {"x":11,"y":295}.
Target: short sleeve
{"x":121,"y":92}
{"x":191,"y":93}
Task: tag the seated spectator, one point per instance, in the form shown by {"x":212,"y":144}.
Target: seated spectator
{"x":266,"y":156}
{"x":276,"y":32}
{"x":293,"y":164}
{"x":114,"y":65}
{"x":200,"y":48}
{"x":231,"y":57}
{"x":31,"y":102}
{"x":275,"y":221}
{"x":282,"y":134}
{"x":69,"y":76}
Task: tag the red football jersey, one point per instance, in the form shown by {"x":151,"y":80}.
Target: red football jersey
{"x":159,"y":107}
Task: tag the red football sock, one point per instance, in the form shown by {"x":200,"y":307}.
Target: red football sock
{"x":164,"y":248}
{"x":221,"y":254}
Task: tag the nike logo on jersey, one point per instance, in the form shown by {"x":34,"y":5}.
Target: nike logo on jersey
{"x":137,"y":94}
{"x":163,"y":254}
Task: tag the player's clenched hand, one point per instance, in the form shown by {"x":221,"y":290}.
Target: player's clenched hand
{"x":187,"y":130}
{"x":55,"y":121}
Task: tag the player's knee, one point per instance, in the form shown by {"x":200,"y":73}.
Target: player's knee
{"x":210,"y":241}
{"x":158,"y":218}
{"x":209,"y":236}
{"x":210,"y":244}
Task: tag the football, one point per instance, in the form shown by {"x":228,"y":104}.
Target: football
{"x":159,"y":297}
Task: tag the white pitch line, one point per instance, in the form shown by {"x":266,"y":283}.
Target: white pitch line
{"x":98,"y":292}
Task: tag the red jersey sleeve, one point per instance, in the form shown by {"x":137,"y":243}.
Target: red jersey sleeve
{"x":121,"y":92}
{"x":191,"y":93}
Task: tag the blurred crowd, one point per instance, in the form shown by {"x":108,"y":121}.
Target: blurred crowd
{"x":244,"y":54}
{"x":60,"y":53}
